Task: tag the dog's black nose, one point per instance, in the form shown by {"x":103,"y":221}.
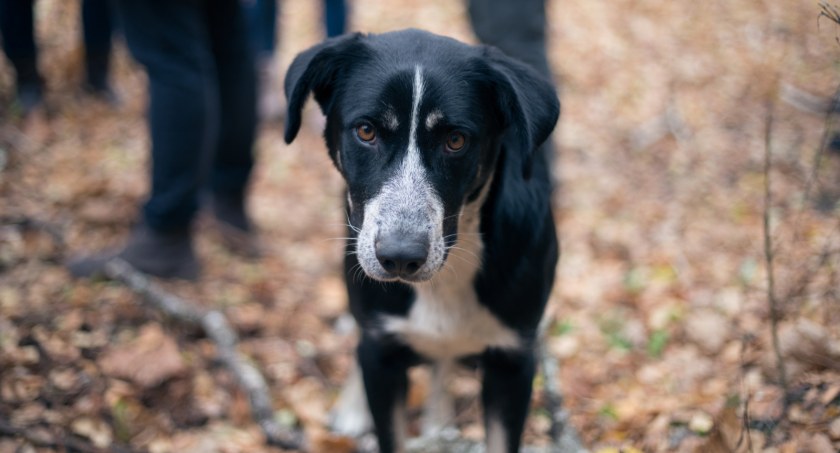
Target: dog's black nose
{"x":402,"y":257}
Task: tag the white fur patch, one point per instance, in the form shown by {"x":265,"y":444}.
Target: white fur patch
{"x":400,"y":427}
{"x":433,"y":118}
{"x":446,"y":320}
{"x":440,"y":407}
{"x":496,"y":436}
{"x":390,"y":119}
{"x":351,"y":415}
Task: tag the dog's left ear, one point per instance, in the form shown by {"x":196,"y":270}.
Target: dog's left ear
{"x":316,"y":69}
{"x":527,"y":104}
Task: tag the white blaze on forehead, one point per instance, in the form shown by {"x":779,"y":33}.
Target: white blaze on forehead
{"x":407,"y":203}
{"x":412,"y":176}
{"x":416,"y":95}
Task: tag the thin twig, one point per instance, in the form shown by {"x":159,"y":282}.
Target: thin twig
{"x":216,"y":326}
{"x":563,"y":435}
{"x":769,"y":253}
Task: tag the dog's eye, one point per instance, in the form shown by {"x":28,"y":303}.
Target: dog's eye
{"x":455,"y":142}
{"x":366,"y":132}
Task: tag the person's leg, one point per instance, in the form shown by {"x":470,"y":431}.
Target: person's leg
{"x":97,"y":28}
{"x":261,"y":18}
{"x":18,"y":37}
{"x":517,"y":28}
{"x":234,"y":159}
{"x":335,"y":17}
{"x":171,"y":39}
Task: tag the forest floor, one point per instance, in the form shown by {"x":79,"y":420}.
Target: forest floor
{"x":660,"y":317}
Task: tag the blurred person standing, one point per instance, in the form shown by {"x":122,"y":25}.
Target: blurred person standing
{"x":262,"y":27}
{"x":202,"y":118}
{"x":17,"y":28}
{"x":517,"y":28}
{"x":335,"y":17}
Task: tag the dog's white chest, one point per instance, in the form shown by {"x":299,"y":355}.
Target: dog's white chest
{"x":446,"y":320}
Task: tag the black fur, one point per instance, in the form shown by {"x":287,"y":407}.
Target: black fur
{"x":507,"y":111}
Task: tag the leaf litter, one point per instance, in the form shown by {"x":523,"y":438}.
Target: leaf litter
{"x":660,"y":316}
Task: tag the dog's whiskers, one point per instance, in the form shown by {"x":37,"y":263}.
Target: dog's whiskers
{"x":348,"y":239}
{"x":467,"y":255}
{"x":357,"y":273}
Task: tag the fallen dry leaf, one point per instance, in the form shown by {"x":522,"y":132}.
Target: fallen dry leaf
{"x":323,"y":441}
{"x":148,"y":360}
{"x":97,"y":431}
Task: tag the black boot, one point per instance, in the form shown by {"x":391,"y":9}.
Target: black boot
{"x":161,"y":254}
{"x":237,"y":232}
{"x":96,"y":83}
{"x":30,"y":86}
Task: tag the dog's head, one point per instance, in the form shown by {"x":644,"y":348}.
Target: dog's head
{"x":416,"y":124}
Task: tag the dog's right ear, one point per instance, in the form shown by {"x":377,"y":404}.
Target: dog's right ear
{"x":317,"y":70}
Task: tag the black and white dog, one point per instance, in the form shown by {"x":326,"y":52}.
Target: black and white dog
{"x":453,"y":246}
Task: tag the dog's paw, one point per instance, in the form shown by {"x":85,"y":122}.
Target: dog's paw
{"x":350,"y":416}
{"x":351,"y":423}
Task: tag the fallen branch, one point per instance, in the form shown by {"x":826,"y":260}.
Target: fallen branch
{"x":216,"y":326}
{"x":805,"y":101}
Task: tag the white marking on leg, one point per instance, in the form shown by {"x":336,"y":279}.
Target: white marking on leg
{"x":496,"y":435}
{"x":440,"y":408}
{"x":399,"y":427}
{"x":351,"y":415}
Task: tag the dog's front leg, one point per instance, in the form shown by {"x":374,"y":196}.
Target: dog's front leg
{"x":384,"y":367}
{"x":506,"y":396}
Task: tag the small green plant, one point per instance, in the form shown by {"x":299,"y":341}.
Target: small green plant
{"x":657,"y":342}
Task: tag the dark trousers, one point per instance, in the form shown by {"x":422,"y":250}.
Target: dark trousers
{"x":17,"y":27}
{"x":262,"y":26}
{"x":335,"y":17}
{"x":515,"y":27}
{"x":202,"y":108}
{"x":18,"y":33}
{"x":262,"y":22}
{"x":97,"y":27}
